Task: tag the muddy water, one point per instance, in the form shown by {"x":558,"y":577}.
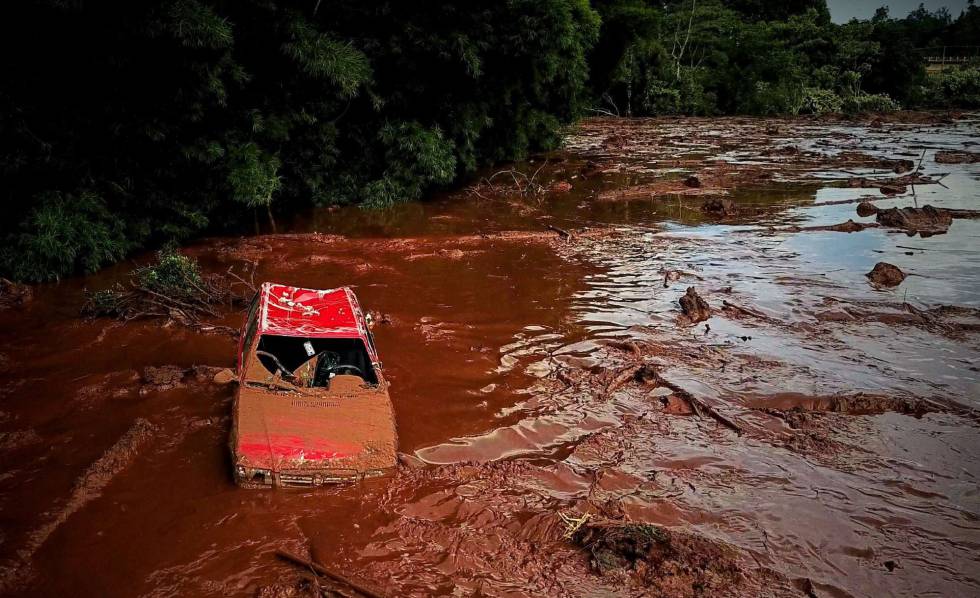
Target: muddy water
{"x":504,"y":343}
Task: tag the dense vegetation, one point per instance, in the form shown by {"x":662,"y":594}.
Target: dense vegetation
{"x":755,"y":57}
{"x":130,"y":124}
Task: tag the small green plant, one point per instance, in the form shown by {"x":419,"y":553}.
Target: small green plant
{"x":174,"y":274}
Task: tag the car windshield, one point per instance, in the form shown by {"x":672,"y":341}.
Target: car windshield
{"x":314,"y":361}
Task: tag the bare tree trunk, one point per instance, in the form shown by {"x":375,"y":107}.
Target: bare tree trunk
{"x":678,"y":48}
{"x":272,"y":221}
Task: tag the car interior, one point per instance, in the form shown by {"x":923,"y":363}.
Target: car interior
{"x":333,"y":356}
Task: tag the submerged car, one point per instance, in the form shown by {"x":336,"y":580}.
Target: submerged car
{"x":312,"y":405}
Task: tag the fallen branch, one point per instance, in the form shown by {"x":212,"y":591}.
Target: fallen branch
{"x":647,"y":374}
{"x":561,"y":232}
{"x":729,"y":305}
{"x":324,"y":572}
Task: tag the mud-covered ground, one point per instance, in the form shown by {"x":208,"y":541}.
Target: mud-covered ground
{"x":566,"y":429}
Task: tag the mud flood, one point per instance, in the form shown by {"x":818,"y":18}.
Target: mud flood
{"x":565,"y":428}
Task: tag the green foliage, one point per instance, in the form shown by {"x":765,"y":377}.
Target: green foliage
{"x":252,"y":175}
{"x":173,"y":275}
{"x":64,"y":233}
{"x":820,"y":101}
{"x":755,"y":57}
{"x":870,"y":102}
{"x":323,"y":57}
{"x":954,"y":88}
{"x":417,"y":158}
{"x":146,"y":122}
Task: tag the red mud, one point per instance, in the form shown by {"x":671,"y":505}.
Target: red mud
{"x":816,"y":436}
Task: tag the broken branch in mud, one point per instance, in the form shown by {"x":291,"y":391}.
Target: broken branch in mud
{"x":743,"y":310}
{"x":324,"y":572}
{"x":173,"y":288}
{"x":648,"y":374}
{"x":564,"y":234}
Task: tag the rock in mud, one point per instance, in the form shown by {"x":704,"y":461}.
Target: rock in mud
{"x":866,"y":208}
{"x":926,"y":220}
{"x":225,"y":376}
{"x":692,"y":181}
{"x":666,"y":562}
{"x":886,"y":275}
{"x":694,"y":306}
{"x":957,"y":157}
{"x":719,"y":206}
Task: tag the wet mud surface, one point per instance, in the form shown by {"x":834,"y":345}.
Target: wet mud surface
{"x":565,"y":428}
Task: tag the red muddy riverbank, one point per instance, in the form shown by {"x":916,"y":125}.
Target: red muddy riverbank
{"x":816,"y":435}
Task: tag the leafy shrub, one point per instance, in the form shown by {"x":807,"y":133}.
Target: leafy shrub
{"x":870,"y":102}
{"x":173,"y":274}
{"x":63,"y":233}
{"x":820,"y":101}
{"x":954,"y":88}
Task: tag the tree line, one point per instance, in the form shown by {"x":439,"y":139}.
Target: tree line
{"x":126,"y":125}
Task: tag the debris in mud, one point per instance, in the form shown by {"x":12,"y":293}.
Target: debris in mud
{"x":719,"y":206}
{"x":694,"y":306}
{"x":813,"y":419}
{"x":173,"y":288}
{"x":164,"y":377}
{"x":844,"y":227}
{"x":866,"y":208}
{"x":925,"y":221}
{"x":647,"y":374}
{"x":302,"y":587}
{"x":893,"y":189}
{"x":560,"y":187}
{"x":14,"y":294}
{"x":168,"y":377}
{"x":692,"y":181}
{"x":564,"y":234}
{"x":665,"y":562}
{"x":334,"y":578}
{"x":957,"y":157}
{"x":376,"y":317}
{"x":886,"y":275}
{"x":892,"y":186}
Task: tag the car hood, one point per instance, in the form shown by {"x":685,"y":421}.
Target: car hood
{"x":349,"y":427}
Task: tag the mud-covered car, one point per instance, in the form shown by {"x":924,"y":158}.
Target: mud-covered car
{"x":312,"y":406}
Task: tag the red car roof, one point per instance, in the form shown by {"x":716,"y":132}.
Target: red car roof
{"x":311,"y":313}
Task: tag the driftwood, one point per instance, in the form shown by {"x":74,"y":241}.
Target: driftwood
{"x":324,"y":572}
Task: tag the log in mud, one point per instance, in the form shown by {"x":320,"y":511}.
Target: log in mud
{"x":572,"y":420}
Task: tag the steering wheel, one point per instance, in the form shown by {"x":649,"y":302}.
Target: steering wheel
{"x":348,"y":368}
{"x":286,"y":373}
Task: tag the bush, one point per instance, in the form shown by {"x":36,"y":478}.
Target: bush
{"x":870,"y":102}
{"x":820,"y":101}
{"x":64,"y":233}
{"x":954,"y":88}
{"x":174,"y":275}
